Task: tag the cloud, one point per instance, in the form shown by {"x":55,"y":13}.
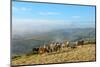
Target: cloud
{"x":14,"y":8}
{"x":20,"y":8}
{"x":39,"y":21}
{"x":44,"y":25}
{"x":38,"y":24}
{"x":76,"y":17}
{"x":49,"y":13}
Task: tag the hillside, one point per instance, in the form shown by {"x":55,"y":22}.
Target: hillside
{"x":81,"y":53}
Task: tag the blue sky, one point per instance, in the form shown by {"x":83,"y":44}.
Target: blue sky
{"x":37,"y":16}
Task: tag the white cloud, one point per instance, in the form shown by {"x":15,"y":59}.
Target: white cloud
{"x":43,"y":25}
{"x":20,"y":8}
{"x":76,"y":17}
{"x":49,"y":13}
{"x":14,"y":8}
{"x":39,"y":23}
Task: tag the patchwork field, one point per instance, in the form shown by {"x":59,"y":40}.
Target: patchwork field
{"x":80,"y":53}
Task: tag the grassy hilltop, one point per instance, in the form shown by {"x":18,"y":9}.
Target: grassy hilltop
{"x":80,"y":53}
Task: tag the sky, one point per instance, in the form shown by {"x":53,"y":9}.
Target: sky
{"x":41,"y":17}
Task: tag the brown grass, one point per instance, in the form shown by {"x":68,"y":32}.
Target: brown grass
{"x":81,"y":53}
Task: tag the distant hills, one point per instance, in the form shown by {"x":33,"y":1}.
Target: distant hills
{"x":22,"y":44}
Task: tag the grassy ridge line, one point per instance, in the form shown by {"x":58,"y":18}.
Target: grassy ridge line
{"x":81,"y":53}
